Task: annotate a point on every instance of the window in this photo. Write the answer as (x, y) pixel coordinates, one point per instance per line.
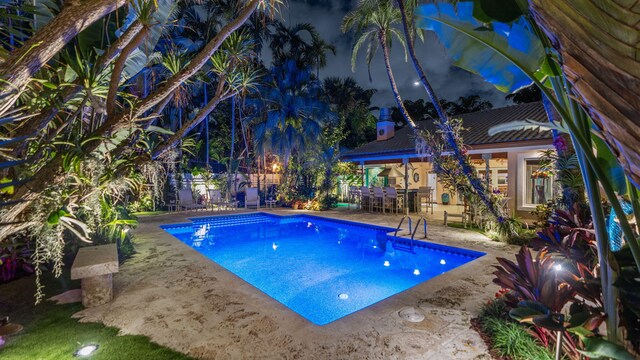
(538, 183)
(503, 176)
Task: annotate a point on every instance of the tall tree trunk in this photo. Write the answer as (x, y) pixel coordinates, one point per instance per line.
(118, 68)
(444, 124)
(183, 130)
(115, 123)
(394, 88)
(403, 109)
(206, 128)
(233, 142)
(32, 126)
(25, 61)
(52, 172)
(599, 48)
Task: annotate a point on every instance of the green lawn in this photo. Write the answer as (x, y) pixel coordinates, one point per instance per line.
(51, 333)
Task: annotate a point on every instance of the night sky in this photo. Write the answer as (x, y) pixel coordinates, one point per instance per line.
(449, 82)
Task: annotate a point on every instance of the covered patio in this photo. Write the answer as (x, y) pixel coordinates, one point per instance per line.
(506, 161)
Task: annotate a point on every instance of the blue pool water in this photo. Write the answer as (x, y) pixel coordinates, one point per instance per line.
(323, 269)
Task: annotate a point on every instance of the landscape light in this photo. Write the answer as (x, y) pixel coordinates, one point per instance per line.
(86, 350)
(557, 267)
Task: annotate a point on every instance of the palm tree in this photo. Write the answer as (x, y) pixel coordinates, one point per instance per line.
(444, 123)
(317, 53)
(352, 103)
(288, 42)
(290, 113)
(373, 23)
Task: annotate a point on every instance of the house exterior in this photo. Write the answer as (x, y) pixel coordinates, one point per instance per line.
(510, 159)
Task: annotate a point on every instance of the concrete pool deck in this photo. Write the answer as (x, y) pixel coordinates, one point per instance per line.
(180, 299)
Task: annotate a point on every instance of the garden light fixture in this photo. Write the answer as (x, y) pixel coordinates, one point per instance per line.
(557, 267)
(86, 350)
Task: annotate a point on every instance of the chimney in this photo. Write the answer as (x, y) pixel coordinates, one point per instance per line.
(386, 127)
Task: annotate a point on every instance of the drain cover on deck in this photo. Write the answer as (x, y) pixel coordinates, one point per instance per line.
(411, 314)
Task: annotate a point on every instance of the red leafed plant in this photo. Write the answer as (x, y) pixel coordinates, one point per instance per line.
(14, 259)
(532, 278)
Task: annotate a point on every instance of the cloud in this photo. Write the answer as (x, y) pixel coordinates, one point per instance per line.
(448, 81)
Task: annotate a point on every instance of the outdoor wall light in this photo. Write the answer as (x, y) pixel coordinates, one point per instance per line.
(86, 350)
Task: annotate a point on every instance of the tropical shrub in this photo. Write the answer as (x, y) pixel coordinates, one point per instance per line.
(328, 202)
(15, 260)
(562, 282)
(506, 336)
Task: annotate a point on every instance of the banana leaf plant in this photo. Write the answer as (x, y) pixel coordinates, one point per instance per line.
(505, 50)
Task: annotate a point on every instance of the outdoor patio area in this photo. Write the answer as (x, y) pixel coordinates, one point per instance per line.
(182, 300)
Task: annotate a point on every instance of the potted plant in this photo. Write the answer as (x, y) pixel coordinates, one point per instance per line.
(445, 198)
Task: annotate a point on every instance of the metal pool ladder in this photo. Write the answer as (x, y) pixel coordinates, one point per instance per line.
(404, 247)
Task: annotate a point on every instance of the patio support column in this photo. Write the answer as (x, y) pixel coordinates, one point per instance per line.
(364, 175)
(406, 185)
(487, 158)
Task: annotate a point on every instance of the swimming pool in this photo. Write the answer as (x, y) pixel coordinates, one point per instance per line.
(323, 269)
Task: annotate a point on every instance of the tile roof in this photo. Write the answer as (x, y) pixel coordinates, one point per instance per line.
(476, 124)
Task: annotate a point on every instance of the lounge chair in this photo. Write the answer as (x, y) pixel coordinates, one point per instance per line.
(252, 198)
(215, 199)
(186, 202)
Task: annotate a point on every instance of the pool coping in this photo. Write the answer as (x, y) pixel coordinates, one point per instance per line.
(176, 296)
(405, 241)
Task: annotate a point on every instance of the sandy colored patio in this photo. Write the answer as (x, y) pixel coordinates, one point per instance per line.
(180, 299)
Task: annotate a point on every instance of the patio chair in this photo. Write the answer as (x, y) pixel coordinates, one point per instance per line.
(354, 195)
(392, 200)
(378, 199)
(186, 202)
(252, 198)
(365, 198)
(424, 198)
(215, 199)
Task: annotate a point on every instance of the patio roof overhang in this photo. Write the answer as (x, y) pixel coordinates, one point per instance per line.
(398, 156)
